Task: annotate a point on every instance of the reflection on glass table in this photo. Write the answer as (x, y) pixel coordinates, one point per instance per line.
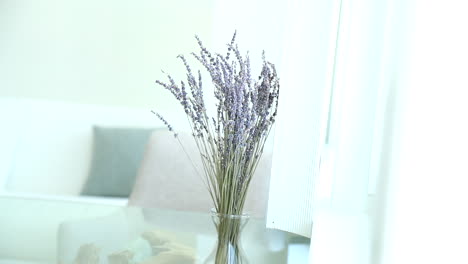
(58, 231)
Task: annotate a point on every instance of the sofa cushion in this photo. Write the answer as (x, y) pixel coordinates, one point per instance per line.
(117, 154)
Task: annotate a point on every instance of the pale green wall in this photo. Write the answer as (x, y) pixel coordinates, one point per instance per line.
(100, 52)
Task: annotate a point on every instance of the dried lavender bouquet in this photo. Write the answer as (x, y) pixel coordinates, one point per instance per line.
(231, 142)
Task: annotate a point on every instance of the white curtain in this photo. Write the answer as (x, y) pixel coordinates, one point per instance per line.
(369, 65)
(331, 58)
(333, 65)
(426, 167)
(399, 182)
(340, 64)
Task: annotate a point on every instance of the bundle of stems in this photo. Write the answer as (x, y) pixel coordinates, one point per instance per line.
(232, 141)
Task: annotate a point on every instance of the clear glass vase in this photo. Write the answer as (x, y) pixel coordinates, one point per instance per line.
(228, 248)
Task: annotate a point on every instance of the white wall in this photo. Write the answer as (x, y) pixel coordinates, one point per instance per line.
(100, 52)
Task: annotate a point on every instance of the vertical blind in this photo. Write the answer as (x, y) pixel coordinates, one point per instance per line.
(307, 74)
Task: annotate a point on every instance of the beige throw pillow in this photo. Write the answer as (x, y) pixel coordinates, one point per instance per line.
(167, 178)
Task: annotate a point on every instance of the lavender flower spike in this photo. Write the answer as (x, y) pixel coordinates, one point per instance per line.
(230, 142)
(165, 122)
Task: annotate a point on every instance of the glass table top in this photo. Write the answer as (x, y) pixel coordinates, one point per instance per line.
(58, 231)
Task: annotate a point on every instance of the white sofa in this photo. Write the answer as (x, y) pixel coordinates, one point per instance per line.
(45, 155)
(47, 146)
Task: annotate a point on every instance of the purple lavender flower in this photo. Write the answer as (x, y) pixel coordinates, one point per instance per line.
(232, 141)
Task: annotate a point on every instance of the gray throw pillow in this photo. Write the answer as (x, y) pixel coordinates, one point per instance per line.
(117, 154)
